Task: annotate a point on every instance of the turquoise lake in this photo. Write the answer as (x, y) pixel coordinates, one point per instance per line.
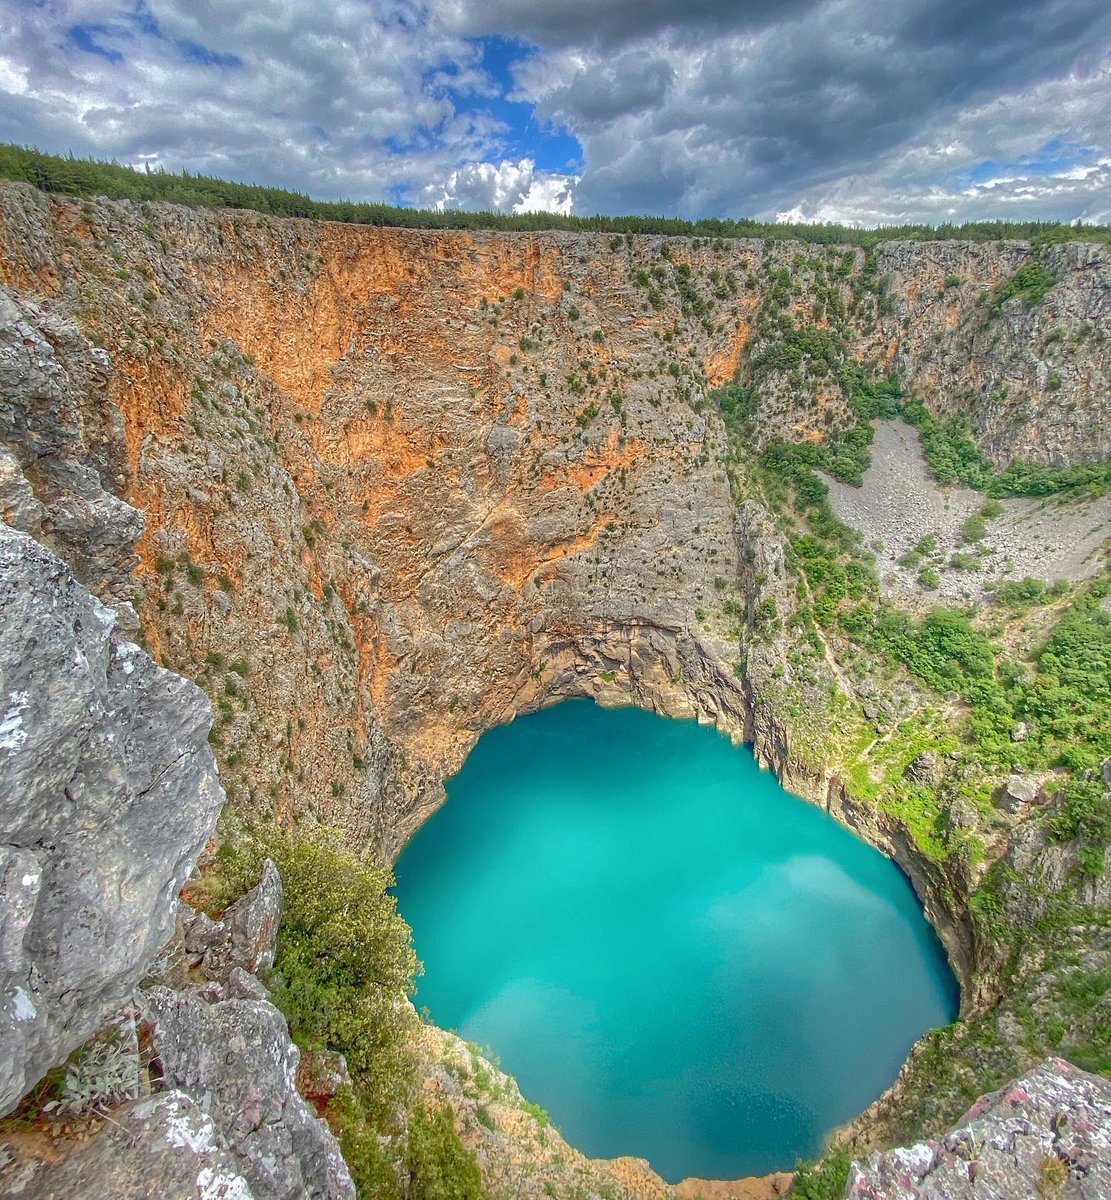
(675, 957)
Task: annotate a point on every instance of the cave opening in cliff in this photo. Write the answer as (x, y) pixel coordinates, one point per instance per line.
(674, 957)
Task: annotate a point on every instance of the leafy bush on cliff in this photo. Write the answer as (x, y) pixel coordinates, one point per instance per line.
(439, 1166)
(1031, 282)
(824, 1180)
(344, 956)
(953, 457)
(344, 959)
(344, 964)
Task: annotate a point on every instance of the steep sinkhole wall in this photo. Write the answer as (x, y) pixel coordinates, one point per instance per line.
(383, 469)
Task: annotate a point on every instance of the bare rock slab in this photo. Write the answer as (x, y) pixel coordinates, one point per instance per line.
(163, 1147)
(235, 1059)
(1048, 1134)
(108, 790)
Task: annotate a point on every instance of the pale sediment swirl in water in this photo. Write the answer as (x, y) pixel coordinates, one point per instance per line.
(675, 957)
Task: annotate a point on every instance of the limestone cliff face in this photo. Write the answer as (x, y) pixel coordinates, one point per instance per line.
(1035, 381)
(400, 485)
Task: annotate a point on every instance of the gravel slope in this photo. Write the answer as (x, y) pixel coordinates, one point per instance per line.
(899, 504)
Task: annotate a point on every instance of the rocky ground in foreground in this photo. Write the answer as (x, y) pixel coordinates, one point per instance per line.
(1047, 1135)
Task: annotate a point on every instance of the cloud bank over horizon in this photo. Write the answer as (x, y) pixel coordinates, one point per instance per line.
(857, 111)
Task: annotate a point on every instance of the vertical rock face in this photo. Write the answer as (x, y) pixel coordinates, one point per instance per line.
(107, 793)
(1035, 381)
(399, 487)
(61, 446)
(413, 483)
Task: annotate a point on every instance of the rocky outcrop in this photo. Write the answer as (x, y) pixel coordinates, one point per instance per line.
(165, 1146)
(235, 1059)
(61, 449)
(1047, 1134)
(225, 1045)
(227, 1118)
(109, 791)
(99, 746)
(243, 939)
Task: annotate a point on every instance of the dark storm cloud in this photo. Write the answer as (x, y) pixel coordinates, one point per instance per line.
(610, 24)
(756, 117)
(632, 83)
(876, 108)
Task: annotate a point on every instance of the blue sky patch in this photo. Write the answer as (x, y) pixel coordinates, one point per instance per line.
(1054, 157)
(194, 52)
(551, 148)
(84, 37)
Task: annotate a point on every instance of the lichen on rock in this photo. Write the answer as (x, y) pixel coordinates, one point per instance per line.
(1045, 1135)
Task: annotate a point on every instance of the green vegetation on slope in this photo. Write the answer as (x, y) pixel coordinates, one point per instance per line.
(954, 457)
(816, 357)
(1030, 282)
(343, 967)
(88, 177)
(958, 699)
(824, 1180)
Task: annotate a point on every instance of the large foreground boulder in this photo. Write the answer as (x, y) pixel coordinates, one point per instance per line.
(163, 1147)
(108, 790)
(235, 1059)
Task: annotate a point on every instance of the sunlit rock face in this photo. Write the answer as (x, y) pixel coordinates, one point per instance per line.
(414, 482)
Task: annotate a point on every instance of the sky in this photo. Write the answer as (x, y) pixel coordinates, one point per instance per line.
(858, 111)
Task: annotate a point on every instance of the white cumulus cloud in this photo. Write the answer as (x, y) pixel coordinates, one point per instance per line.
(507, 186)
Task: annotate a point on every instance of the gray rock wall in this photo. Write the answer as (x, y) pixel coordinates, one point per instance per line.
(108, 791)
(108, 788)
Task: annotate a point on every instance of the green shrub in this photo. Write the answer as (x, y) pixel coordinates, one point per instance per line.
(1082, 810)
(1020, 593)
(344, 956)
(974, 528)
(1030, 282)
(824, 1180)
(439, 1166)
(538, 1114)
(369, 1161)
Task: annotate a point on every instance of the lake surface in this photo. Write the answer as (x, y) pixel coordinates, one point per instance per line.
(674, 957)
